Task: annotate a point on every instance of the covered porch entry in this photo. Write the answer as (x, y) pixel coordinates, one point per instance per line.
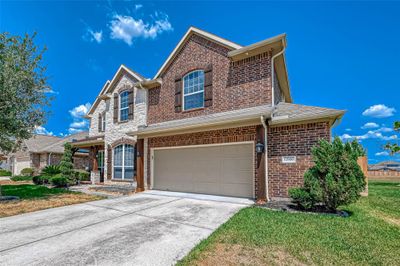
(95, 147)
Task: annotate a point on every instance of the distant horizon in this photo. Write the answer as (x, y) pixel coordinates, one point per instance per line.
(340, 55)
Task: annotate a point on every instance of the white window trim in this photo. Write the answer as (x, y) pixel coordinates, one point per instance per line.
(123, 108)
(191, 93)
(123, 166)
(103, 122)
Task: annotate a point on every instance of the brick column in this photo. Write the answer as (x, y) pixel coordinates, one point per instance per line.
(261, 193)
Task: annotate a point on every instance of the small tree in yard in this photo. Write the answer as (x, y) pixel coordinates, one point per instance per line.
(394, 148)
(335, 179)
(66, 164)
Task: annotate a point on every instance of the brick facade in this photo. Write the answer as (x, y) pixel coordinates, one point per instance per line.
(282, 141)
(237, 85)
(294, 140)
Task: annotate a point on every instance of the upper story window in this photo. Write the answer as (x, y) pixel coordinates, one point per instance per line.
(124, 106)
(193, 90)
(103, 122)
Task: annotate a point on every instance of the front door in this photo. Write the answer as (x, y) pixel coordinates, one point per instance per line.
(100, 163)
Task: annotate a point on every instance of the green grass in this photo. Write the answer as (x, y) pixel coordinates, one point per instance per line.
(31, 191)
(371, 235)
(21, 178)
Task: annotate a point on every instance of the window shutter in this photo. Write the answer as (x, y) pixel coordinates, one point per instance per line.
(208, 93)
(115, 107)
(131, 104)
(109, 162)
(99, 123)
(178, 95)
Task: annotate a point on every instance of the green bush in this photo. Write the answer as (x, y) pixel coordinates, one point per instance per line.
(81, 175)
(51, 170)
(41, 179)
(27, 171)
(5, 172)
(302, 198)
(335, 179)
(59, 181)
(21, 178)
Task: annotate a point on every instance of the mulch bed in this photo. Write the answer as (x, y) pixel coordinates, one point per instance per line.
(288, 206)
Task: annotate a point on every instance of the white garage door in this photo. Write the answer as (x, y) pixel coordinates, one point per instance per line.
(217, 169)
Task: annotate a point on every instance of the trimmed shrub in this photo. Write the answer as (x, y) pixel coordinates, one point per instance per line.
(335, 179)
(21, 178)
(27, 171)
(5, 172)
(59, 181)
(81, 175)
(51, 170)
(40, 179)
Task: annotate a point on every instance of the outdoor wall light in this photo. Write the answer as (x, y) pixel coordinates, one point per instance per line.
(259, 147)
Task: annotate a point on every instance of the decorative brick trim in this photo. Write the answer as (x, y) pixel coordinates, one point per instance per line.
(123, 141)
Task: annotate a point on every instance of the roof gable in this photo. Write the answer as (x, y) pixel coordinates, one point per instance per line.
(186, 37)
(110, 85)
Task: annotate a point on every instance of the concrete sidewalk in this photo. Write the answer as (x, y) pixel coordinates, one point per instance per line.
(150, 228)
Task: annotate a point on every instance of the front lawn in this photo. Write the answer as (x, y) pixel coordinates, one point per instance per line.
(256, 236)
(35, 197)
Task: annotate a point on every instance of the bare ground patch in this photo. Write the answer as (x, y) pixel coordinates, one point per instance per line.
(386, 218)
(31, 205)
(10, 182)
(225, 254)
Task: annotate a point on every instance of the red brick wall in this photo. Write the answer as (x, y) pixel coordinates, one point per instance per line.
(238, 134)
(282, 141)
(237, 85)
(294, 140)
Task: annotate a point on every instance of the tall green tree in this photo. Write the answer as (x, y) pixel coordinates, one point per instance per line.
(23, 88)
(394, 147)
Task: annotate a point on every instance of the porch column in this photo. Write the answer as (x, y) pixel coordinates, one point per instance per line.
(140, 165)
(94, 158)
(260, 166)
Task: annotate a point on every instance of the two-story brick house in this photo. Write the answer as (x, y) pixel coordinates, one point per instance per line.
(217, 118)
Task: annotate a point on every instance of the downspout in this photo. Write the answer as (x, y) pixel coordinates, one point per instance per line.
(273, 74)
(264, 122)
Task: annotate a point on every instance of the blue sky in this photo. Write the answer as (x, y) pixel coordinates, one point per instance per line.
(342, 55)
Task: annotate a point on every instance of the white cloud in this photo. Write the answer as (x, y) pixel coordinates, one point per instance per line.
(370, 125)
(382, 153)
(79, 123)
(127, 28)
(80, 110)
(43, 131)
(93, 36)
(372, 134)
(379, 111)
(138, 6)
(385, 129)
(348, 129)
(74, 130)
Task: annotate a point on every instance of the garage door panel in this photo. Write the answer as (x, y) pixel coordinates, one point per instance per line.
(220, 169)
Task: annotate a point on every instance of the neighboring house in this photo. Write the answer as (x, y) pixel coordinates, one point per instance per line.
(42, 150)
(385, 166)
(206, 122)
(384, 170)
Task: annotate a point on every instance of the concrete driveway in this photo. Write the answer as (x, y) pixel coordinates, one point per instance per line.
(150, 228)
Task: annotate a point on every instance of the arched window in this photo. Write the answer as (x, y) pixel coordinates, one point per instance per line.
(193, 90)
(123, 106)
(124, 162)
